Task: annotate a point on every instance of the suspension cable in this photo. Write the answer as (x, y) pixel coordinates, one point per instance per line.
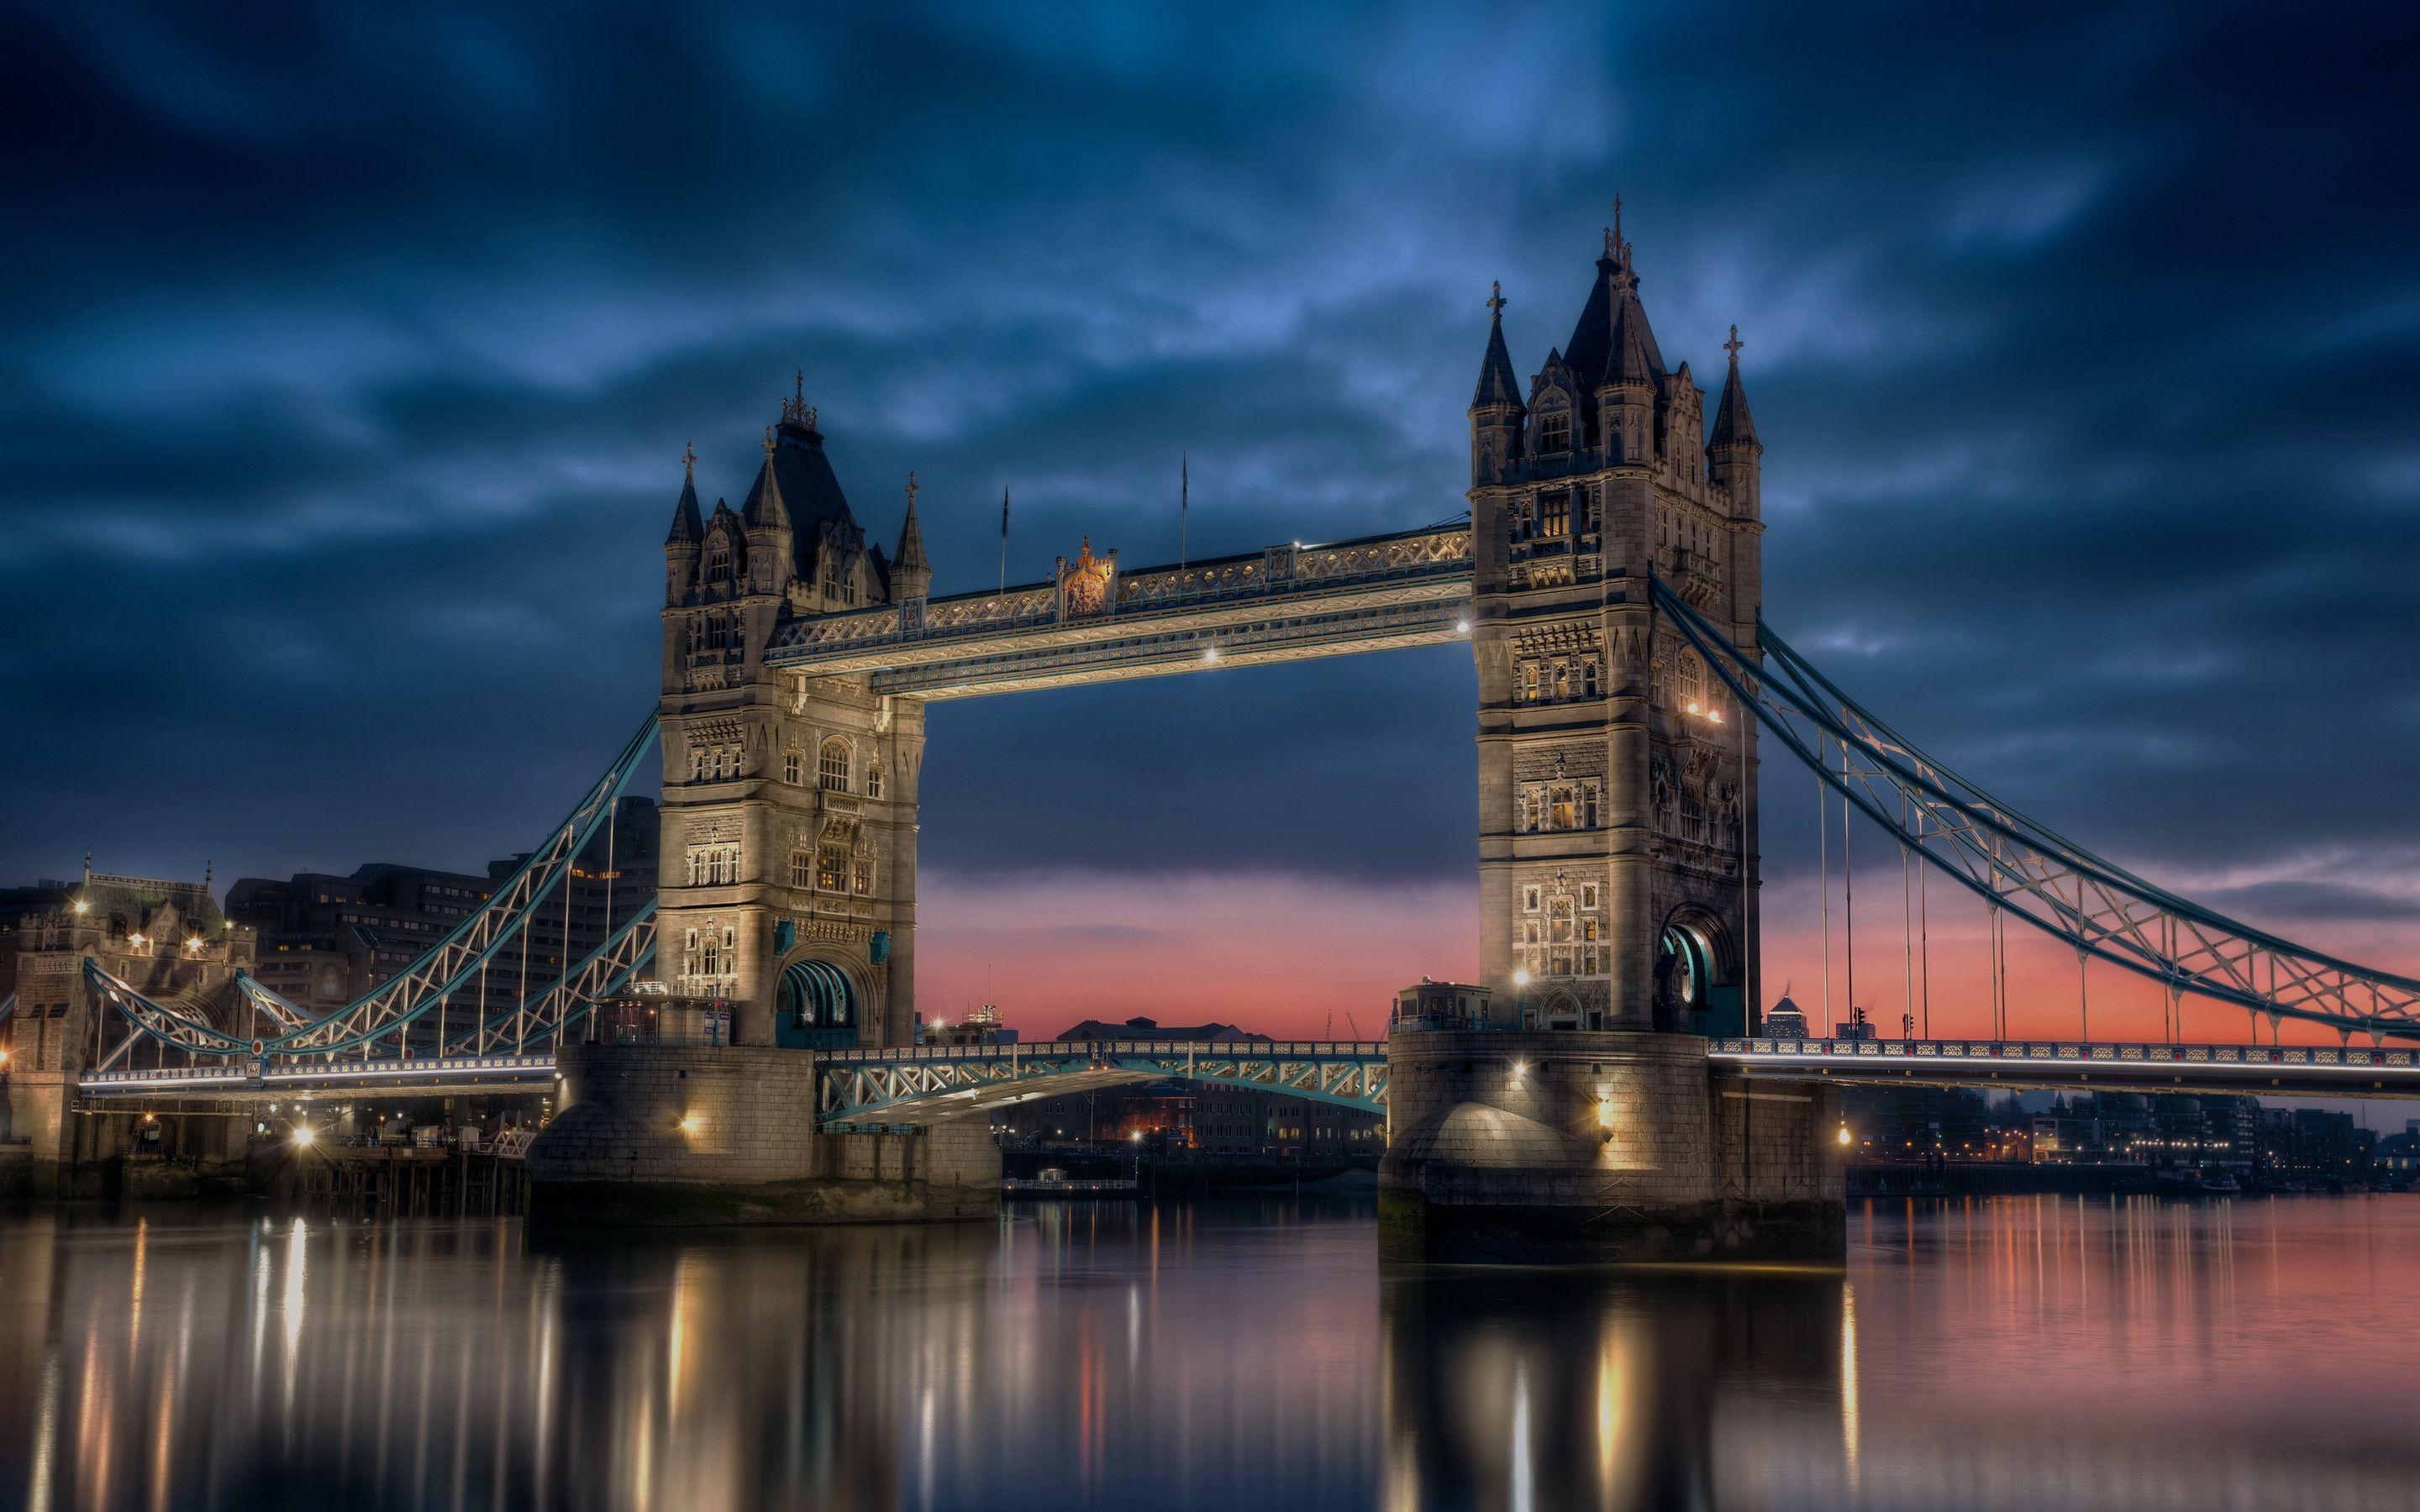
(1848, 895)
(1823, 864)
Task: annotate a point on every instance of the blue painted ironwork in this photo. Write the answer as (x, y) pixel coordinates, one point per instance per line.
(938, 1082)
(387, 1014)
(2016, 863)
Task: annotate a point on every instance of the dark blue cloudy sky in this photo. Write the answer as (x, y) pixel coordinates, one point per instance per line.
(348, 354)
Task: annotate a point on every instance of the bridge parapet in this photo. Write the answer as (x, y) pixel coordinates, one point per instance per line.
(2156, 1065)
(932, 1083)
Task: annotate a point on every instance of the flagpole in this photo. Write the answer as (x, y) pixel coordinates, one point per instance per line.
(1003, 540)
(1184, 503)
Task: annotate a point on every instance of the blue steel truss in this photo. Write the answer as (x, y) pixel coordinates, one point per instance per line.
(382, 1021)
(938, 1082)
(2015, 863)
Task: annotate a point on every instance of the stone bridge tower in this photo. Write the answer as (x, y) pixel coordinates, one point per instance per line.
(1618, 845)
(788, 870)
(1617, 809)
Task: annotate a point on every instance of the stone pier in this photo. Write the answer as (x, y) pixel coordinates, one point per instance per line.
(1507, 1146)
(674, 1134)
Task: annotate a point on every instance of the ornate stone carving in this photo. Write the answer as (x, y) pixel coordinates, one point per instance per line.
(1085, 583)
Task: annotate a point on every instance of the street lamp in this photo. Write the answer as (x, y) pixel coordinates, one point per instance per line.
(1521, 997)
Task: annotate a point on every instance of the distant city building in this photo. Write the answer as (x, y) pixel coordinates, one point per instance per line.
(1143, 1028)
(1786, 1020)
(980, 1027)
(326, 939)
(1857, 1026)
(167, 938)
(1438, 1004)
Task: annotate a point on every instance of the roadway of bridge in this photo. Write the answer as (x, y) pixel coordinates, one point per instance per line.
(927, 1085)
(2347, 1070)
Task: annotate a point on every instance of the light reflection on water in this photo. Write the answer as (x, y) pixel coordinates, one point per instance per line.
(2025, 1353)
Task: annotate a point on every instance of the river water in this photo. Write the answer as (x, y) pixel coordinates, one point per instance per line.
(2018, 1352)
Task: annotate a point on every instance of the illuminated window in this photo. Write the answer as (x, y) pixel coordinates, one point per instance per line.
(1559, 516)
(832, 767)
(1692, 682)
(861, 875)
(831, 869)
(1555, 431)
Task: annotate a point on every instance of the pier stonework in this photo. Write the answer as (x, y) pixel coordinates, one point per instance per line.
(1543, 1146)
(676, 1134)
(1617, 837)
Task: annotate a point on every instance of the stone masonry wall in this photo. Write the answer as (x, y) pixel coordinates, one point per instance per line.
(1575, 1145)
(697, 1133)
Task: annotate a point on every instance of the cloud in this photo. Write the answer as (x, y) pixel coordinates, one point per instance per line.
(346, 379)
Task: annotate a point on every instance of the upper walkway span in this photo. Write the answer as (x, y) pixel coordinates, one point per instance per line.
(1286, 603)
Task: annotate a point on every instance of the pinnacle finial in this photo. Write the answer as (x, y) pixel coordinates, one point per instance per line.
(688, 460)
(1734, 346)
(1617, 217)
(911, 490)
(768, 445)
(798, 386)
(1495, 302)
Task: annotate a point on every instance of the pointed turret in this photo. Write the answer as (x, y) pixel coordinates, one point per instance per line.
(764, 508)
(1734, 448)
(911, 574)
(1734, 424)
(687, 524)
(688, 533)
(1498, 383)
(1634, 367)
(1496, 409)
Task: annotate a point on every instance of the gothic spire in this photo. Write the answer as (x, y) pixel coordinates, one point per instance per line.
(688, 529)
(1498, 383)
(1733, 426)
(1613, 319)
(764, 508)
(911, 569)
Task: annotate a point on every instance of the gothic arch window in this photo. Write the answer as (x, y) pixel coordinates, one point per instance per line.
(1588, 677)
(832, 766)
(1692, 682)
(873, 779)
(1555, 430)
(717, 559)
(802, 868)
(794, 768)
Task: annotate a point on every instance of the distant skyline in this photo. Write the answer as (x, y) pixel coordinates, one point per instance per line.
(347, 373)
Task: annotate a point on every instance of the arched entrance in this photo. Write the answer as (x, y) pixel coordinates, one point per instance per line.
(1694, 989)
(815, 1006)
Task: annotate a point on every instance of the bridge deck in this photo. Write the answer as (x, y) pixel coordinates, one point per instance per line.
(1287, 603)
(931, 1084)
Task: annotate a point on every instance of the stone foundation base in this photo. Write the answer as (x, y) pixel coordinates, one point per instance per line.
(673, 1134)
(1558, 1146)
(1415, 1231)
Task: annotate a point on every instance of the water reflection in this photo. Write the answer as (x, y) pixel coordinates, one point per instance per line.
(1568, 1388)
(2017, 1354)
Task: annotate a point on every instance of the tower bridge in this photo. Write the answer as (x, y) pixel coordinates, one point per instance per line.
(1615, 1096)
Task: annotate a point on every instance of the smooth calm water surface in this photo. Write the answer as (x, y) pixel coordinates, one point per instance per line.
(2022, 1353)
